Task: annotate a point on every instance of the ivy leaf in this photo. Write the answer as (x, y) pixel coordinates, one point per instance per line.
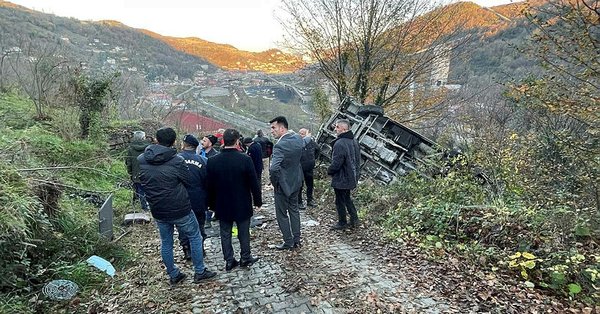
(528, 255)
(515, 256)
(528, 264)
(529, 284)
(574, 288)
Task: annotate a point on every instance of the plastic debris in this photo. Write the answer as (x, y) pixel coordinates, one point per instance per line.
(60, 289)
(256, 221)
(310, 223)
(101, 264)
(136, 218)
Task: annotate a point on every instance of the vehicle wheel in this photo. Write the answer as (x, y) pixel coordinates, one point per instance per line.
(366, 110)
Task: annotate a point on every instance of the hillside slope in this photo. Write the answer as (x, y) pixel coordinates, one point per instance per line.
(105, 44)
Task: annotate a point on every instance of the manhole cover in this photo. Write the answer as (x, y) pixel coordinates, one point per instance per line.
(60, 289)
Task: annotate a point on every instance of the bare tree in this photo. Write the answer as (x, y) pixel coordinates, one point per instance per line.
(5, 53)
(562, 104)
(373, 50)
(37, 69)
(130, 87)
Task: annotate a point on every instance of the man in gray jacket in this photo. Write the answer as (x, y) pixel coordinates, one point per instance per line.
(345, 171)
(286, 176)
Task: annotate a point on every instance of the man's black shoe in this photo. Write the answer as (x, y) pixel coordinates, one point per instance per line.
(249, 262)
(231, 265)
(311, 203)
(179, 278)
(283, 246)
(354, 224)
(339, 226)
(206, 274)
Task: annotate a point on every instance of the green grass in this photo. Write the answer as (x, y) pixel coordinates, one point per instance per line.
(36, 247)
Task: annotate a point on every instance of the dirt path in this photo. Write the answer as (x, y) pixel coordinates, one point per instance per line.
(329, 274)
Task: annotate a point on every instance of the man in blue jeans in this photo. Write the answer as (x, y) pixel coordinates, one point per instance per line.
(165, 176)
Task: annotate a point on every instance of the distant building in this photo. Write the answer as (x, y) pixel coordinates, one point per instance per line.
(440, 67)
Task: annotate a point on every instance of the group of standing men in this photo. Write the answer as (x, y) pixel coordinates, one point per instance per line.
(178, 187)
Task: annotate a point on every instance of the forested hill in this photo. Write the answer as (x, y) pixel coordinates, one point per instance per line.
(229, 57)
(105, 44)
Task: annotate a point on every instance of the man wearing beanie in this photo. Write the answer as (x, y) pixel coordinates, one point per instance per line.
(197, 191)
(207, 149)
(165, 177)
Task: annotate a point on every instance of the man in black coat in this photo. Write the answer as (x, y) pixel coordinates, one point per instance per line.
(345, 172)
(307, 161)
(165, 177)
(264, 143)
(232, 186)
(254, 150)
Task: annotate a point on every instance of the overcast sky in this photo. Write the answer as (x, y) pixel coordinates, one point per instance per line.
(246, 24)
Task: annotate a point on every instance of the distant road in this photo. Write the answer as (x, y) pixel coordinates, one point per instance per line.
(232, 117)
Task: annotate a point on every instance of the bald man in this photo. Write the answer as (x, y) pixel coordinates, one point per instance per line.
(307, 161)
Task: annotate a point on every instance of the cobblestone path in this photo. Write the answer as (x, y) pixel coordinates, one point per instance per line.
(326, 275)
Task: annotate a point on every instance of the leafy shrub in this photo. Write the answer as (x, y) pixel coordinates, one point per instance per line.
(35, 247)
(458, 209)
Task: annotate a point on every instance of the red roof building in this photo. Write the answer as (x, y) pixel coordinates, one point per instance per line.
(191, 122)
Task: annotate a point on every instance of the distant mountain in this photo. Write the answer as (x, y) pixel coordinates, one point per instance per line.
(229, 57)
(144, 50)
(103, 45)
(495, 53)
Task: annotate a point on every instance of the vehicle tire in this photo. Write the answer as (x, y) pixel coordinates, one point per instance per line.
(366, 110)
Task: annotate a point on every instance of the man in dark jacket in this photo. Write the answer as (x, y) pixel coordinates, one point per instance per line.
(165, 177)
(345, 172)
(196, 191)
(307, 161)
(136, 148)
(207, 148)
(255, 152)
(232, 186)
(264, 143)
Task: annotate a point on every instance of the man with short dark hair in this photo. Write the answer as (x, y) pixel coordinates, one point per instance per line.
(345, 172)
(231, 190)
(286, 176)
(165, 177)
